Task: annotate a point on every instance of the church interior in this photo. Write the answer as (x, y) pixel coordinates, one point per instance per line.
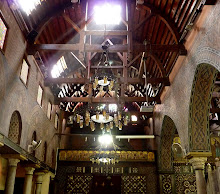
(109, 96)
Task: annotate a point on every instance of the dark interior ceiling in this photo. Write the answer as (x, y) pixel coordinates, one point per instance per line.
(153, 32)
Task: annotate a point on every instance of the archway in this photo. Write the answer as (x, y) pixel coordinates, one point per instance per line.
(199, 108)
(15, 127)
(176, 176)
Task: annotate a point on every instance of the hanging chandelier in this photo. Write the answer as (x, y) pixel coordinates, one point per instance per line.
(105, 116)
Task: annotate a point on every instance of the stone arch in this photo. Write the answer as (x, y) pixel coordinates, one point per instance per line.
(199, 108)
(15, 127)
(165, 151)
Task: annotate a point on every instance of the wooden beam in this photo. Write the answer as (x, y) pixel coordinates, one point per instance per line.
(106, 99)
(179, 48)
(106, 67)
(48, 81)
(68, 20)
(141, 67)
(168, 22)
(159, 64)
(135, 59)
(107, 32)
(215, 110)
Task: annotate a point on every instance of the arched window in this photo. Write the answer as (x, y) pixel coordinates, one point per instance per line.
(53, 159)
(15, 128)
(44, 154)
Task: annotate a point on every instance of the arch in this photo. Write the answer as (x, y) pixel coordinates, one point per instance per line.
(199, 108)
(44, 153)
(165, 151)
(15, 127)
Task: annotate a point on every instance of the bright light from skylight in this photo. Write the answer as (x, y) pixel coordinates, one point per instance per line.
(28, 5)
(59, 67)
(107, 14)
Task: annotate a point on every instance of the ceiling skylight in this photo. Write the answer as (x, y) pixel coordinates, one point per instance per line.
(58, 68)
(28, 5)
(107, 14)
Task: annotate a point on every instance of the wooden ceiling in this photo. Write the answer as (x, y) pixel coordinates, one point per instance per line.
(154, 31)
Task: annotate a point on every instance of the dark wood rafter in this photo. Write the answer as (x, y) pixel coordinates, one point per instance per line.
(49, 81)
(106, 99)
(179, 48)
(169, 23)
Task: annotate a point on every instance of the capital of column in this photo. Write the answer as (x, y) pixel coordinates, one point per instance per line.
(29, 170)
(217, 163)
(39, 175)
(198, 163)
(13, 162)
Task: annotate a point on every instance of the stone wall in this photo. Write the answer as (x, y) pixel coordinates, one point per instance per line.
(16, 96)
(205, 49)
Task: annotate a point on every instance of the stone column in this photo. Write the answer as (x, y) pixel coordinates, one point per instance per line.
(28, 180)
(39, 181)
(217, 163)
(198, 164)
(211, 181)
(10, 181)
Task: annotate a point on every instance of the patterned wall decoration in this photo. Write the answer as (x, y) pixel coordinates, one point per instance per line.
(78, 184)
(15, 126)
(199, 108)
(185, 183)
(165, 154)
(166, 183)
(134, 184)
(83, 155)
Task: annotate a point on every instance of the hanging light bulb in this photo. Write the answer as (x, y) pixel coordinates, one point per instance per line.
(120, 125)
(94, 86)
(104, 113)
(77, 118)
(87, 119)
(92, 126)
(107, 116)
(119, 115)
(111, 125)
(81, 123)
(108, 128)
(112, 83)
(125, 121)
(105, 79)
(109, 87)
(101, 126)
(101, 89)
(96, 81)
(97, 116)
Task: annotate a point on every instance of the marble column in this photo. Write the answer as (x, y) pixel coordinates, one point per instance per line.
(46, 182)
(10, 181)
(217, 163)
(28, 180)
(211, 181)
(39, 181)
(198, 164)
